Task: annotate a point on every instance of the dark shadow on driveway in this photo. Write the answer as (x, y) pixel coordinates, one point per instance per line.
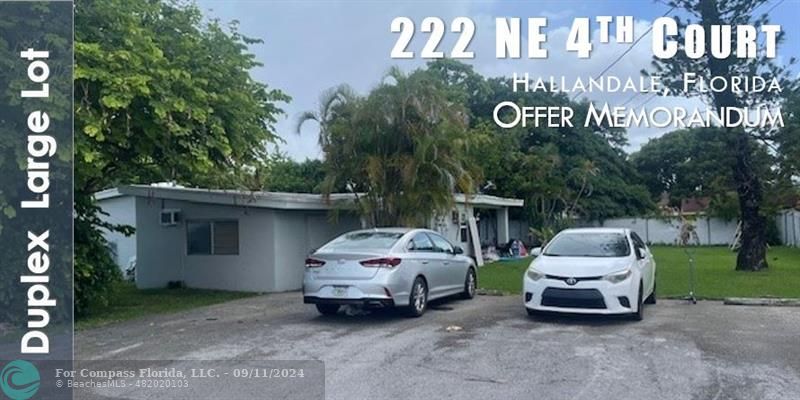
(350, 315)
(583, 319)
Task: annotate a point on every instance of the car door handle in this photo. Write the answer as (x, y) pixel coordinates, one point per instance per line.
(424, 261)
(446, 263)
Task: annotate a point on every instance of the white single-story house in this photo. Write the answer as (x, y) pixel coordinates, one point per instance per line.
(248, 241)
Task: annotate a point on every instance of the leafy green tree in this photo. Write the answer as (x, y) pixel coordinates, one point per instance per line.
(749, 185)
(685, 163)
(40, 26)
(696, 163)
(402, 146)
(160, 95)
(286, 175)
(787, 139)
(562, 173)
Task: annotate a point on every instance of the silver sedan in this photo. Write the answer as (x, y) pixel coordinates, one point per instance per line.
(387, 267)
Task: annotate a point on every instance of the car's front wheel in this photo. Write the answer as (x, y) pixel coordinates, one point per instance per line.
(418, 300)
(652, 298)
(639, 314)
(470, 284)
(328, 309)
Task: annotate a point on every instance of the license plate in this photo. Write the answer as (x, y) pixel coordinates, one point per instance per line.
(340, 291)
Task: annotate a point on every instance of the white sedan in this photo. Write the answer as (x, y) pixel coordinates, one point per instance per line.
(591, 271)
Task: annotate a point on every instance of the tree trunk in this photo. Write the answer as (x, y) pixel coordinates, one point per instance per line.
(753, 247)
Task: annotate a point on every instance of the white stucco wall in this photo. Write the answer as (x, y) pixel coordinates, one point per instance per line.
(273, 245)
(273, 242)
(121, 211)
(451, 230)
(163, 257)
(298, 233)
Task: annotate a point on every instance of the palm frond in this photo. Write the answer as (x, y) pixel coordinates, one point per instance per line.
(304, 117)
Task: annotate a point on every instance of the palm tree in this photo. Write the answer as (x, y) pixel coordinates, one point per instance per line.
(403, 146)
(330, 101)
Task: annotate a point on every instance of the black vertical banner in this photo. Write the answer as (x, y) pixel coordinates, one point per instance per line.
(36, 189)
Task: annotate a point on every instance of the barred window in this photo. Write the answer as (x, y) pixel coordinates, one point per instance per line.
(212, 237)
(226, 237)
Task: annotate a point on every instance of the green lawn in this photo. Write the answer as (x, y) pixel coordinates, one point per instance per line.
(129, 302)
(505, 276)
(716, 277)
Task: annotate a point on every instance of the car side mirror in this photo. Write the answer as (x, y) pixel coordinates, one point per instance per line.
(536, 251)
(639, 253)
(458, 250)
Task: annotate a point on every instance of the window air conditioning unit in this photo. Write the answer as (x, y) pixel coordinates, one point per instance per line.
(170, 217)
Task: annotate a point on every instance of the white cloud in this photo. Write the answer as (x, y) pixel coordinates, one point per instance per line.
(556, 15)
(312, 46)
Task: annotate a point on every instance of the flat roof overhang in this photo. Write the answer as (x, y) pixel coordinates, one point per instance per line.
(281, 200)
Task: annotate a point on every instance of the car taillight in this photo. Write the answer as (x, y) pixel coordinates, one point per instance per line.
(314, 263)
(382, 262)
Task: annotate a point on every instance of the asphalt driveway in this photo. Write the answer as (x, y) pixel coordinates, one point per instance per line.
(680, 351)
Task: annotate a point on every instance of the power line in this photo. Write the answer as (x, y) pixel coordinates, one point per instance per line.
(628, 50)
(654, 95)
(635, 95)
(648, 100)
(773, 6)
(664, 2)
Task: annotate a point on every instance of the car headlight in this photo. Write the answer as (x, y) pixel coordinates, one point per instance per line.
(618, 277)
(534, 274)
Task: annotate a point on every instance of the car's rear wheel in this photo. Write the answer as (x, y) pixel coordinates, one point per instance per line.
(470, 284)
(328, 309)
(639, 314)
(652, 298)
(418, 299)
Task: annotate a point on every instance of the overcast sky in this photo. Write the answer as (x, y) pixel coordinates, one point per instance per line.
(311, 46)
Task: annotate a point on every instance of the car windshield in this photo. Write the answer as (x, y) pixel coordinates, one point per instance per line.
(589, 245)
(362, 241)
